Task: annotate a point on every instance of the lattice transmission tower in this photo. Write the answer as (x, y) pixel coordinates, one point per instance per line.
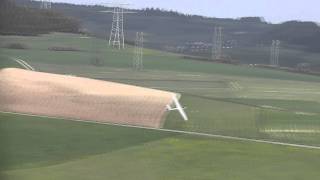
(275, 53)
(116, 38)
(138, 52)
(45, 4)
(217, 43)
(117, 35)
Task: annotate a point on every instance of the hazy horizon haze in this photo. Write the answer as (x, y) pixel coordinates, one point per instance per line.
(272, 10)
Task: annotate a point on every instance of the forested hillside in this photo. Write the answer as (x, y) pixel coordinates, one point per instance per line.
(19, 20)
(172, 28)
(165, 28)
(306, 34)
(245, 40)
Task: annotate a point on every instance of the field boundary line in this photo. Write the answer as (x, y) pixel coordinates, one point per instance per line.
(24, 64)
(168, 80)
(173, 131)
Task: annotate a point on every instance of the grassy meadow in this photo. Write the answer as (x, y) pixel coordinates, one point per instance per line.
(44, 148)
(222, 99)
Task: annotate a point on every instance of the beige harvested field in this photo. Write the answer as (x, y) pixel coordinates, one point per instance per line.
(81, 98)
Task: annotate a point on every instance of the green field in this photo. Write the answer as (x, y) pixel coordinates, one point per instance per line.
(41, 148)
(221, 99)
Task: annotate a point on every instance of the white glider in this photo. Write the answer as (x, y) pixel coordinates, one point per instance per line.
(178, 107)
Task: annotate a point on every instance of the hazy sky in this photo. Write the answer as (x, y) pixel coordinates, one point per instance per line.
(273, 10)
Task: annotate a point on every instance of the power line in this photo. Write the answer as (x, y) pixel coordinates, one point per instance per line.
(275, 53)
(45, 4)
(116, 38)
(217, 43)
(117, 35)
(138, 52)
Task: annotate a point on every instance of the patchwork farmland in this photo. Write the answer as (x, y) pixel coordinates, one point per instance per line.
(220, 99)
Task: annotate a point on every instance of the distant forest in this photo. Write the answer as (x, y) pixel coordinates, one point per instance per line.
(162, 28)
(173, 28)
(19, 20)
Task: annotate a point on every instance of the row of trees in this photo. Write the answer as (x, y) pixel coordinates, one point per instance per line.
(175, 28)
(305, 34)
(16, 20)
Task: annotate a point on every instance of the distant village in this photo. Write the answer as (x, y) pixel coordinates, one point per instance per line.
(200, 47)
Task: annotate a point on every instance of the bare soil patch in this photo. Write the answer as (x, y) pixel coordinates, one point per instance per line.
(81, 98)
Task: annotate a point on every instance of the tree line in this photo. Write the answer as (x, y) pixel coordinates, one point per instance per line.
(17, 20)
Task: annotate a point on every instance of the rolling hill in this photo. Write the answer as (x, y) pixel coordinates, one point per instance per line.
(249, 37)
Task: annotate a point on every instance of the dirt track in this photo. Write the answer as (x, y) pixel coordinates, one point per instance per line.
(81, 98)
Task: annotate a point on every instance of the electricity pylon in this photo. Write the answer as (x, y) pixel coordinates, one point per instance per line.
(217, 43)
(275, 53)
(138, 52)
(45, 4)
(116, 38)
